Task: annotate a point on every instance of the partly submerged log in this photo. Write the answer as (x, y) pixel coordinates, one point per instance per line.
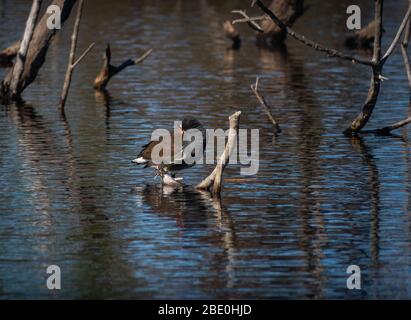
(8, 54)
(362, 39)
(36, 54)
(232, 34)
(215, 179)
(108, 70)
(288, 11)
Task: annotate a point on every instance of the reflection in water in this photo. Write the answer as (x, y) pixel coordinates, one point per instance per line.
(374, 186)
(69, 194)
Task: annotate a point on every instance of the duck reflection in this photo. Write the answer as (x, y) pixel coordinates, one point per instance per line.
(195, 210)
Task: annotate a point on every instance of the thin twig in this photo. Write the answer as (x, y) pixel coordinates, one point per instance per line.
(404, 50)
(250, 21)
(262, 101)
(72, 63)
(83, 55)
(143, 57)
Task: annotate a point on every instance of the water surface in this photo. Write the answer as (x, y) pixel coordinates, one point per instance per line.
(320, 202)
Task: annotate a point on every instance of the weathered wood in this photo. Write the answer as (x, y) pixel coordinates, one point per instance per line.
(363, 39)
(287, 11)
(36, 54)
(262, 101)
(72, 63)
(108, 70)
(214, 180)
(18, 67)
(8, 54)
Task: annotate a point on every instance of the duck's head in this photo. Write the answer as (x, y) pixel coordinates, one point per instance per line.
(190, 123)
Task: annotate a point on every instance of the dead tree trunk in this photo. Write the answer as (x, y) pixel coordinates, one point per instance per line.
(72, 64)
(287, 11)
(214, 180)
(108, 70)
(36, 54)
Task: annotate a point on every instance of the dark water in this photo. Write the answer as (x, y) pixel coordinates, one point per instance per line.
(319, 203)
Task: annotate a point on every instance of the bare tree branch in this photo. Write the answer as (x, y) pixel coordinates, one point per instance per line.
(308, 42)
(397, 37)
(394, 126)
(72, 63)
(250, 21)
(262, 101)
(404, 49)
(91, 46)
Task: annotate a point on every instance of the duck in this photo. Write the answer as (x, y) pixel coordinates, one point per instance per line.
(167, 171)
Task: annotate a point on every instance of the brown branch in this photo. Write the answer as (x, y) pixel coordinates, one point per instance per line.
(214, 180)
(262, 101)
(72, 64)
(108, 70)
(397, 125)
(308, 42)
(232, 34)
(22, 53)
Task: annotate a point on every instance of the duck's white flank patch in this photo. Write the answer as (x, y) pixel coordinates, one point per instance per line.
(140, 160)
